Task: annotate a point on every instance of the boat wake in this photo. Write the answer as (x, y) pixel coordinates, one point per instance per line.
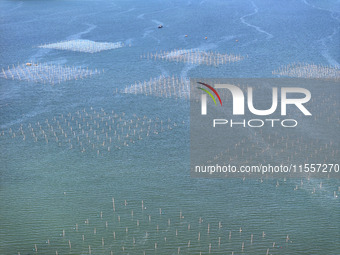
(324, 49)
(260, 30)
(80, 34)
(326, 40)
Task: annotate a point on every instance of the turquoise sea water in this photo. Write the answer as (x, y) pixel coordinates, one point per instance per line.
(48, 188)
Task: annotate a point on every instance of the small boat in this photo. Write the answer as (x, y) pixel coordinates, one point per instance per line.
(160, 26)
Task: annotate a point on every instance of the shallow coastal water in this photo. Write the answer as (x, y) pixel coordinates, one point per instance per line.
(48, 187)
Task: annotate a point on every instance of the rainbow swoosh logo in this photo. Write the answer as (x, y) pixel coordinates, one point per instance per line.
(209, 93)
